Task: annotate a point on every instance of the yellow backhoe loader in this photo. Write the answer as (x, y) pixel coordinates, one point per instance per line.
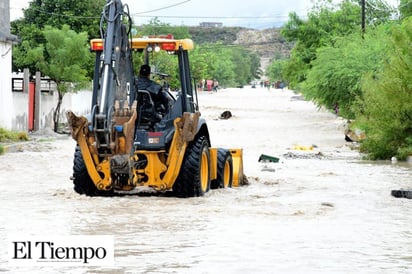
(132, 142)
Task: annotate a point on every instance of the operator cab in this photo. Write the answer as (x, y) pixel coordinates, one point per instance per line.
(153, 100)
(154, 125)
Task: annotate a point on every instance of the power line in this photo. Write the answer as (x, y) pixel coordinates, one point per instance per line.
(167, 16)
(216, 17)
(249, 18)
(64, 15)
(375, 7)
(98, 17)
(167, 7)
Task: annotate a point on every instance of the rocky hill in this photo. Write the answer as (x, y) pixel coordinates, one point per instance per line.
(267, 43)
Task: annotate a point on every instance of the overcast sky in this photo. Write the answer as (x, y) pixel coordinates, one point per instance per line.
(245, 13)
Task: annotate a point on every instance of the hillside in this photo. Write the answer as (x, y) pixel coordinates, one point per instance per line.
(267, 43)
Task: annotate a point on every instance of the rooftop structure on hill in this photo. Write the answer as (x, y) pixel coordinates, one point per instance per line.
(211, 24)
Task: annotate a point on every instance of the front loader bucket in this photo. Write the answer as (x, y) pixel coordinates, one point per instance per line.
(237, 160)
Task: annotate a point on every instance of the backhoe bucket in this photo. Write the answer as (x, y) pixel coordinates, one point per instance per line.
(237, 160)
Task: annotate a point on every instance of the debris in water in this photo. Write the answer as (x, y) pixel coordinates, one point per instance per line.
(225, 115)
(266, 158)
(402, 193)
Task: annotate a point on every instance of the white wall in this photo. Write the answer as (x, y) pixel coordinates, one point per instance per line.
(20, 108)
(6, 98)
(78, 102)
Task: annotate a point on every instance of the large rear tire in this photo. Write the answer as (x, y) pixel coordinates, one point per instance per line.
(224, 169)
(194, 176)
(83, 184)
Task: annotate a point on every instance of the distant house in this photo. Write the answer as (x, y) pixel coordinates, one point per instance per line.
(211, 24)
(6, 42)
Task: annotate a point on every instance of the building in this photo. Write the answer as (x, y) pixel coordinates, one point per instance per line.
(6, 42)
(28, 105)
(211, 24)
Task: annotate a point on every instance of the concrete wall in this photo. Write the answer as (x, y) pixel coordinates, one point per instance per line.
(5, 16)
(78, 102)
(20, 109)
(6, 42)
(6, 111)
(6, 101)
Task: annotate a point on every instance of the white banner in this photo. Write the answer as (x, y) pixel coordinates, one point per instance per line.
(75, 250)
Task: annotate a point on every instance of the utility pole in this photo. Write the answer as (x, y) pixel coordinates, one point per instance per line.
(363, 17)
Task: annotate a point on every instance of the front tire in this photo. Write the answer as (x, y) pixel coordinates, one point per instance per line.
(83, 184)
(194, 176)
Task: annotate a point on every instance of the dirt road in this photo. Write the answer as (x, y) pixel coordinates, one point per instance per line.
(316, 211)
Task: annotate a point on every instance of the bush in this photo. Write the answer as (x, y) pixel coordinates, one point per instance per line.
(336, 74)
(7, 135)
(386, 106)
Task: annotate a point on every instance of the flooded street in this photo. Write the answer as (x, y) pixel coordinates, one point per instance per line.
(316, 211)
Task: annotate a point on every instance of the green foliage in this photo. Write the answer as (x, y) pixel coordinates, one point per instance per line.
(275, 69)
(405, 8)
(80, 16)
(336, 73)
(386, 106)
(166, 64)
(325, 22)
(25, 56)
(31, 36)
(223, 67)
(11, 136)
(199, 63)
(156, 27)
(64, 57)
(7, 135)
(369, 77)
(255, 71)
(230, 65)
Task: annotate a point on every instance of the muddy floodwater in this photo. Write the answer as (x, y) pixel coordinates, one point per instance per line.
(323, 210)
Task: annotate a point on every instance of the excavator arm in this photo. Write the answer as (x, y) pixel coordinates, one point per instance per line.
(111, 127)
(115, 73)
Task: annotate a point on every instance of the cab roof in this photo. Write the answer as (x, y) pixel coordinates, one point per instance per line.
(153, 43)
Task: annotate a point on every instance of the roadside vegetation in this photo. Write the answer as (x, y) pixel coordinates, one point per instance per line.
(364, 74)
(11, 136)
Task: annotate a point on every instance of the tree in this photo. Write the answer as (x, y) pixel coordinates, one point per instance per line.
(386, 105)
(223, 67)
(326, 22)
(405, 8)
(156, 27)
(81, 16)
(275, 69)
(198, 63)
(64, 58)
(336, 74)
(247, 65)
(230, 65)
(166, 64)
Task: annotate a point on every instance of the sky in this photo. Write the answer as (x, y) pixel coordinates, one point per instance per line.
(245, 13)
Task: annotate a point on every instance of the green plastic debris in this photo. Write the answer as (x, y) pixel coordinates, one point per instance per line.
(267, 158)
